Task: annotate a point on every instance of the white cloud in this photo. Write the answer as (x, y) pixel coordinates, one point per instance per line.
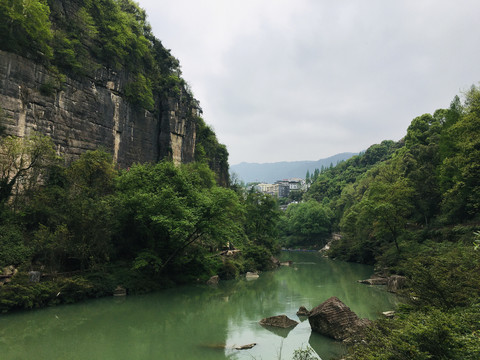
(305, 79)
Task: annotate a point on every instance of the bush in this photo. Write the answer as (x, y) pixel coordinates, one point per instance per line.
(12, 248)
(139, 93)
(433, 335)
(447, 276)
(230, 270)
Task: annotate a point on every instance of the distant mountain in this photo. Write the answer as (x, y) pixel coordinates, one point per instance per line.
(271, 172)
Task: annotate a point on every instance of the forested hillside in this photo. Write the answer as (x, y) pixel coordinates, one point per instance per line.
(271, 172)
(412, 208)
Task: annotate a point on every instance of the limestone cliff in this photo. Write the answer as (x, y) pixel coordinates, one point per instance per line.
(91, 112)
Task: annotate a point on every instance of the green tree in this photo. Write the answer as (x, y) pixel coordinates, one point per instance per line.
(23, 161)
(26, 28)
(168, 213)
(392, 197)
(262, 216)
(460, 169)
(309, 223)
(139, 93)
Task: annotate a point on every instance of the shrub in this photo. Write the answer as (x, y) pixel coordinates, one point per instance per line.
(12, 248)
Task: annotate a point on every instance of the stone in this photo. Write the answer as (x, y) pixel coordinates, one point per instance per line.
(275, 261)
(245, 347)
(251, 275)
(374, 281)
(334, 319)
(34, 276)
(213, 280)
(286, 263)
(302, 311)
(281, 321)
(388, 314)
(396, 282)
(9, 271)
(120, 291)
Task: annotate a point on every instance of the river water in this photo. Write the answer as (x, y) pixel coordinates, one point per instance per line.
(197, 322)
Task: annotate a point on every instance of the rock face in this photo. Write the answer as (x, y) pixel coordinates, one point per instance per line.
(396, 282)
(93, 112)
(281, 321)
(334, 319)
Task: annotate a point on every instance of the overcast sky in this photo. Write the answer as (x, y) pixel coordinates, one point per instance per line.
(286, 80)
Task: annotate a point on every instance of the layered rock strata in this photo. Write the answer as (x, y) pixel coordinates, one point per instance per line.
(90, 113)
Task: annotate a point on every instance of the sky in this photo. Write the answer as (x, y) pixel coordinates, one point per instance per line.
(289, 80)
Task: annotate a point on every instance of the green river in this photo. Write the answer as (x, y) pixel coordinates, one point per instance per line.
(197, 321)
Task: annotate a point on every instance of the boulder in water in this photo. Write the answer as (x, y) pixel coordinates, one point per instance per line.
(281, 321)
(334, 319)
(302, 311)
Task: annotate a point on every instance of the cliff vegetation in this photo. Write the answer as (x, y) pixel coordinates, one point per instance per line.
(100, 52)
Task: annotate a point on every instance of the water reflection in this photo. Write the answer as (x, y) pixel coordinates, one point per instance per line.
(196, 322)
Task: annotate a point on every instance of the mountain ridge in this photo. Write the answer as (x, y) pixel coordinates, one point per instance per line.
(271, 172)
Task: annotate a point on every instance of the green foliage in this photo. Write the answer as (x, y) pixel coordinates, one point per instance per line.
(445, 276)
(23, 161)
(67, 51)
(423, 335)
(139, 93)
(210, 151)
(25, 28)
(165, 210)
(460, 169)
(415, 211)
(92, 174)
(262, 217)
(230, 269)
(13, 251)
(22, 294)
(430, 183)
(476, 241)
(307, 223)
(304, 354)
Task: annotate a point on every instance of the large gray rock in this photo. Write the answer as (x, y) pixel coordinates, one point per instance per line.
(334, 319)
(281, 321)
